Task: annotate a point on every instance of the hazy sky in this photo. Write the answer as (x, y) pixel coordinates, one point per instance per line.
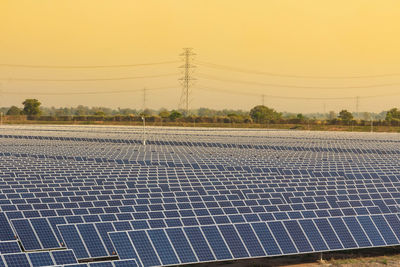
(298, 37)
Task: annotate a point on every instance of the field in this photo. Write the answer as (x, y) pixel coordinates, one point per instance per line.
(211, 196)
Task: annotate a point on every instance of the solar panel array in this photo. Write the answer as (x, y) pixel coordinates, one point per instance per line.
(74, 194)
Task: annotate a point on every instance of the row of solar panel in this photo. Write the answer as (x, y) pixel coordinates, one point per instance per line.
(315, 170)
(190, 143)
(41, 233)
(142, 205)
(255, 213)
(157, 186)
(132, 171)
(33, 259)
(62, 257)
(194, 194)
(7, 233)
(311, 170)
(212, 181)
(21, 202)
(236, 241)
(90, 240)
(201, 217)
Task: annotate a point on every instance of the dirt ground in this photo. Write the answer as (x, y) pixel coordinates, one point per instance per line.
(376, 257)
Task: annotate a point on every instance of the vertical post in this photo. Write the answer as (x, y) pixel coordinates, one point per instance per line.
(357, 104)
(1, 101)
(144, 99)
(144, 130)
(372, 123)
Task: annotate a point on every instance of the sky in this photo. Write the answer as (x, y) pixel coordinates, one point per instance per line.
(321, 39)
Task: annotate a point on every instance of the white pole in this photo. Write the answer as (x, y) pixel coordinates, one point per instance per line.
(144, 130)
(372, 124)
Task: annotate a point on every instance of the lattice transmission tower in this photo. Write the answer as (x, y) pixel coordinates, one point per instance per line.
(187, 79)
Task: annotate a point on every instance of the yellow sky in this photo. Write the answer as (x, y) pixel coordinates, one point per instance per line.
(301, 37)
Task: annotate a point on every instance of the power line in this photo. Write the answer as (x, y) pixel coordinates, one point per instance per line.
(87, 93)
(211, 77)
(236, 69)
(213, 89)
(85, 67)
(87, 80)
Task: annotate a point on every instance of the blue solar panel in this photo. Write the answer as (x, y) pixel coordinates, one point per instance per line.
(123, 245)
(6, 232)
(62, 257)
(16, 260)
(229, 194)
(26, 235)
(342, 232)
(73, 240)
(9, 247)
(163, 247)
(250, 240)
(145, 251)
(101, 264)
(216, 242)
(125, 263)
(181, 245)
(45, 233)
(40, 259)
(313, 235)
(233, 241)
(199, 244)
(328, 233)
(298, 237)
(385, 230)
(371, 230)
(92, 240)
(104, 229)
(282, 237)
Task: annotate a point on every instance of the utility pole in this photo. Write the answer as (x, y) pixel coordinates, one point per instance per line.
(263, 99)
(144, 99)
(372, 123)
(357, 104)
(144, 116)
(1, 101)
(187, 79)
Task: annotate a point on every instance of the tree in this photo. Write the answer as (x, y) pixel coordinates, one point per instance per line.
(175, 115)
(31, 107)
(14, 111)
(99, 113)
(164, 114)
(300, 117)
(262, 114)
(331, 115)
(393, 116)
(345, 116)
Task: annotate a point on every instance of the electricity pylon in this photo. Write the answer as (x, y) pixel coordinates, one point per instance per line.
(187, 78)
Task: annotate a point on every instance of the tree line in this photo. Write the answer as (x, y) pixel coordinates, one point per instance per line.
(259, 114)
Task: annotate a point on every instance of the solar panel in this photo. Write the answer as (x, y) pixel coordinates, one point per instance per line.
(195, 195)
(16, 260)
(26, 235)
(6, 232)
(45, 233)
(40, 259)
(9, 247)
(63, 257)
